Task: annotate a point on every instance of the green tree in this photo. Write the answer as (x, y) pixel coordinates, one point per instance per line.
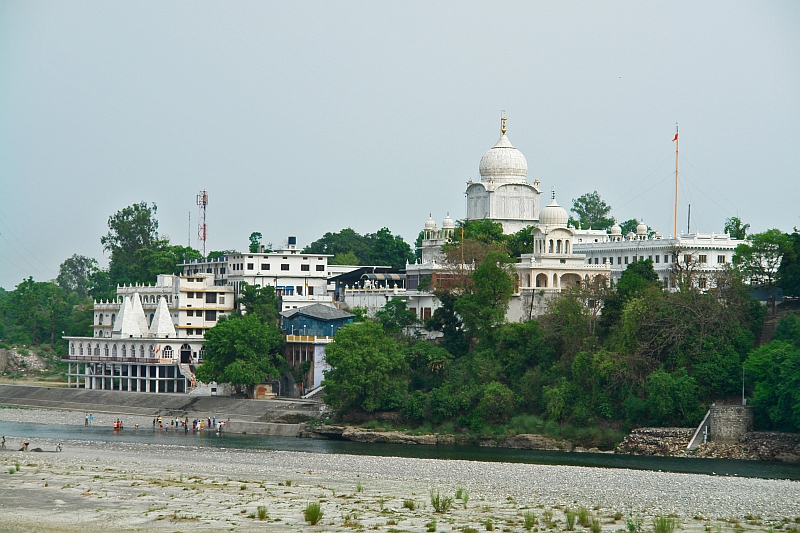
(758, 259)
(592, 211)
(163, 259)
(496, 404)
(520, 242)
(636, 278)
(40, 308)
(388, 249)
(347, 258)
(736, 228)
(74, 275)
(242, 351)
(219, 253)
(255, 242)
(130, 229)
(395, 317)
(789, 271)
(260, 301)
(629, 226)
(484, 306)
(774, 371)
(368, 369)
(342, 242)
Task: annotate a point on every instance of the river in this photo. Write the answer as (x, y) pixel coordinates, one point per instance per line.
(15, 431)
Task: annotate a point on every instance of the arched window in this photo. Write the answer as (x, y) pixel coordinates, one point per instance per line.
(550, 248)
(152, 315)
(558, 246)
(152, 351)
(141, 350)
(168, 351)
(528, 279)
(114, 351)
(133, 350)
(80, 349)
(105, 350)
(100, 319)
(113, 318)
(72, 348)
(541, 280)
(124, 351)
(97, 350)
(202, 352)
(555, 281)
(566, 247)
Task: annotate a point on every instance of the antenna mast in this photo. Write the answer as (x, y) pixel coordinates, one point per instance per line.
(675, 212)
(202, 231)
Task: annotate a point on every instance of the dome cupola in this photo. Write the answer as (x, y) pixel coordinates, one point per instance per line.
(553, 214)
(641, 230)
(448, 223)
(616, 230)
(430, 223)
(503, 162)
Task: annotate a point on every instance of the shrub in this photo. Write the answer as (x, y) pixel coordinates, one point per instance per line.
(430, 527)
(313, 513)
(596, 528)
(570, 516)
(359, 487)
(583, 517)
(441, 504)
(529, 520)
(469, 529)
(489, 525)
(409, 504)
(547, 516)
(262, 512)
(634, 523)
(664, 524)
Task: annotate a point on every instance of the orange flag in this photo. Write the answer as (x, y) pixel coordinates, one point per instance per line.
(676, 137)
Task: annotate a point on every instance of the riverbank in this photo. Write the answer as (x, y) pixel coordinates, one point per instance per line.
(95, 485)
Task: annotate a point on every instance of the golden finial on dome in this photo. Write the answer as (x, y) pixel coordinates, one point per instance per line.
(503, 123)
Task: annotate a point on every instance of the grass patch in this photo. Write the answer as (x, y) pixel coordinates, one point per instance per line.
(441, 504)
(430, 527)
(313, 513)
(583, 517)
(570, 518)
(664, 524)
(529, 520)
(409, 504)
(262, 512)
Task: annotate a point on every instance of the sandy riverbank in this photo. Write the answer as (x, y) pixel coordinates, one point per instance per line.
(93, 486)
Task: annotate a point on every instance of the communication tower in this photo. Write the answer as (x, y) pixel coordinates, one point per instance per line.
(202, 230)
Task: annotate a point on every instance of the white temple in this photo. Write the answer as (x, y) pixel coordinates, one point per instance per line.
(503, 195)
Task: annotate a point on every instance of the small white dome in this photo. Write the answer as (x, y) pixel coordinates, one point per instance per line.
(641, 229)
(616, 230)
(630, 236)
(658, 235)
(503, 162)
(448, 223)
(430, 223)
(553, 215)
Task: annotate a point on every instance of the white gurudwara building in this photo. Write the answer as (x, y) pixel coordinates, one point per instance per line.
(503, 195)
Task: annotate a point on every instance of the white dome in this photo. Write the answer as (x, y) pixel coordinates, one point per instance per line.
(553, 215)
(448, 223)
(503, 162)
(641, 229)
(616, 230)
(631, 236)
(430, 223)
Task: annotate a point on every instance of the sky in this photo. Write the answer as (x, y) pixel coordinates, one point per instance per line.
(301, 118)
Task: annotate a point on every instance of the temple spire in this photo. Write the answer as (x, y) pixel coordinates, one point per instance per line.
(503, 123)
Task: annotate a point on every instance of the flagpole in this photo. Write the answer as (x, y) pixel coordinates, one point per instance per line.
(675, 211)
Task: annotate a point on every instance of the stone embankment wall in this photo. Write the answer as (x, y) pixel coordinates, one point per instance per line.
(750, 446)
(356, 434)
(728, 423)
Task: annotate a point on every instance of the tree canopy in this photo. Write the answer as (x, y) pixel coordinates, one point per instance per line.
(736, 228)
(758, 259)
(381, 248)
(592, 211)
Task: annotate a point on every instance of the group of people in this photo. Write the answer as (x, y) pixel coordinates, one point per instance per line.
(25, 444)
(210, 423)
(88, 419)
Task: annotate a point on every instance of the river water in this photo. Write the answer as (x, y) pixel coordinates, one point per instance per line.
(15, 431)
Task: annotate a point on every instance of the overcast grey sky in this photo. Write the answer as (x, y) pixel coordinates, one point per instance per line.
(301, 118)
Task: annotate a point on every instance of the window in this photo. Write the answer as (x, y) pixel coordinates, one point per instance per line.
(320, 268)
(299, 289)
(105, 350)
(72, 348)
(114, 351)
(619, 260)
(658, 258)
(264, 266)
(702, 283)
(626, 259)
(650, 257)
(124, 351)
(311, 291)
(221, 299)
(702, 258)
(190, 295)
(249, 266)
(101, 319)
(596, 260)
(211, 297)
(687, 258)
(211, 315)
(426, 313)
(284, 266)
(189, 313)
(190, 331)
(305, 268)
(666, 259)
(168, 351)
(721, 259)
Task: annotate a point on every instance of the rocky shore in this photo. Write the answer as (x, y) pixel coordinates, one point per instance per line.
(672, 442)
